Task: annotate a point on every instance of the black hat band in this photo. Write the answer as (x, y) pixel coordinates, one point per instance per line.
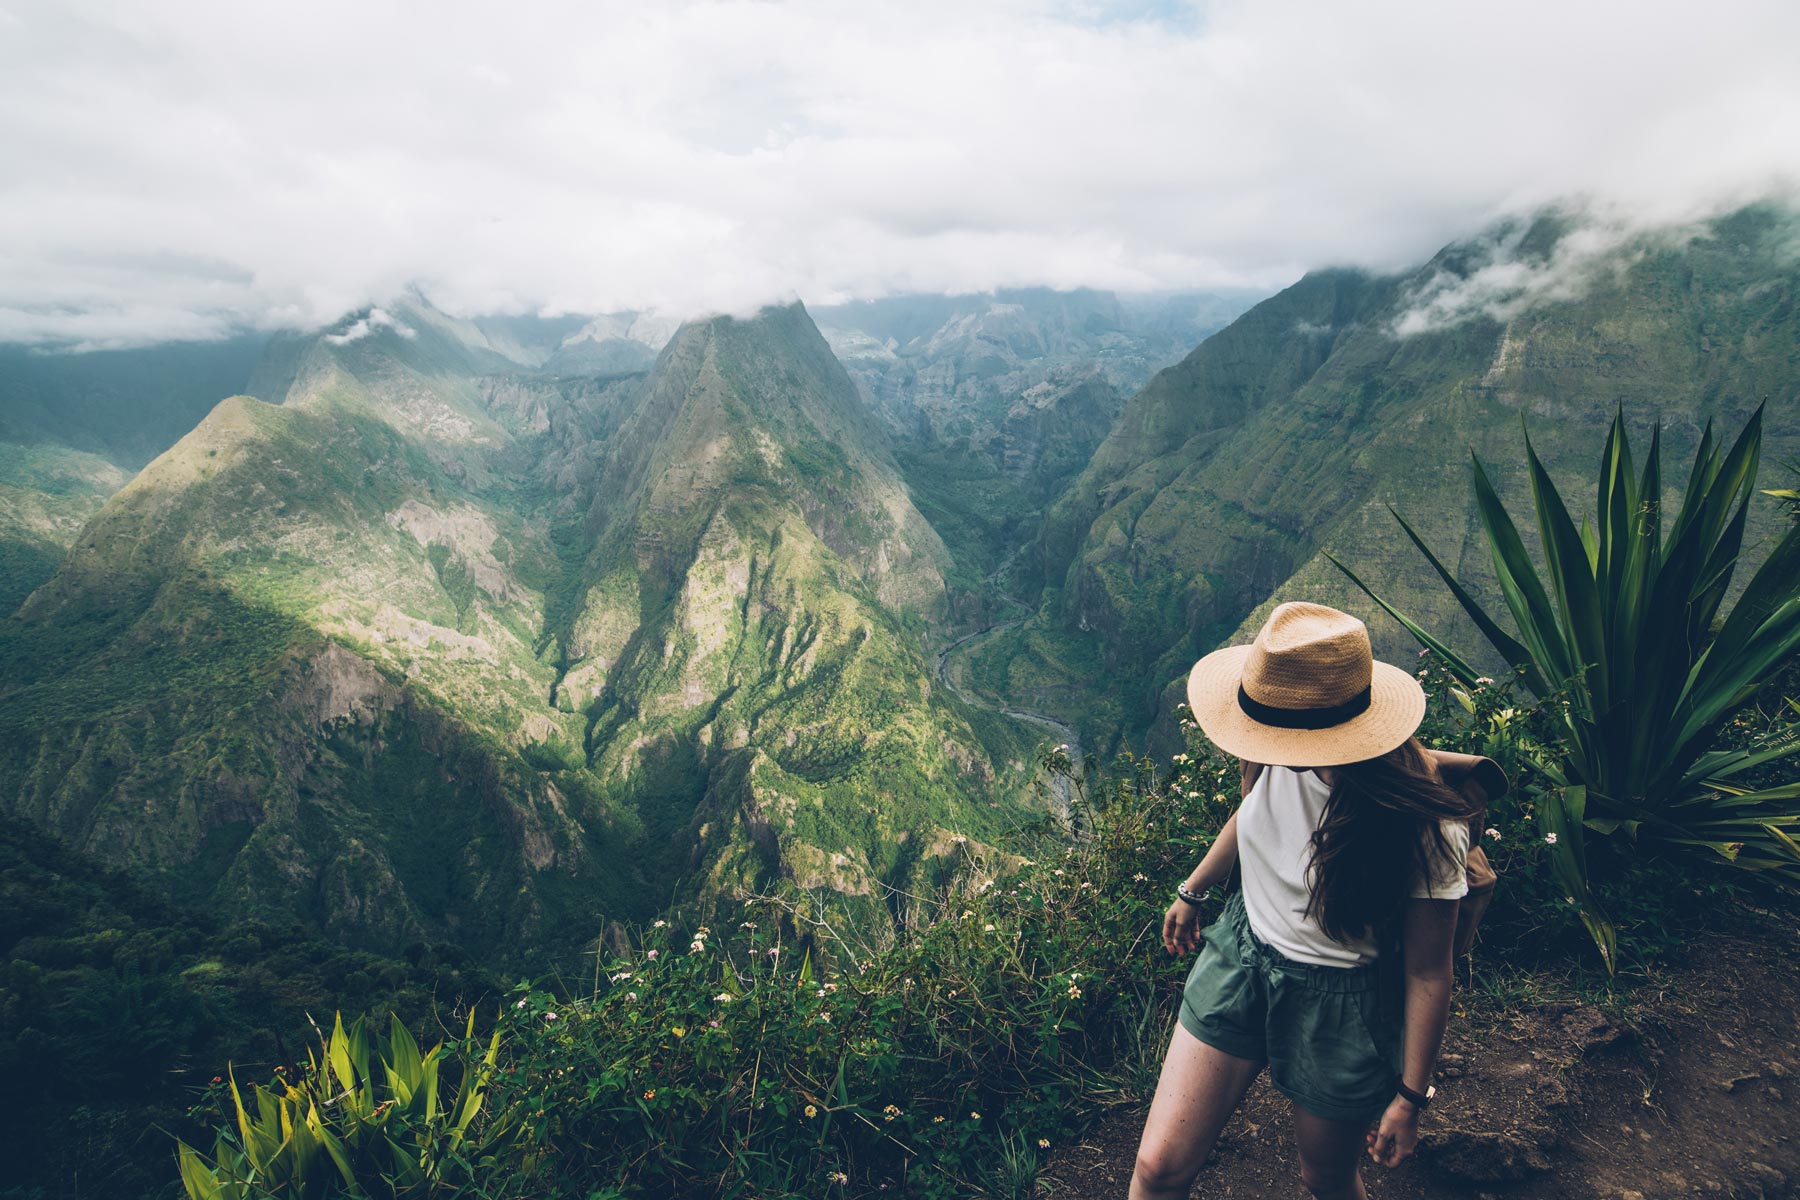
(1323, 717)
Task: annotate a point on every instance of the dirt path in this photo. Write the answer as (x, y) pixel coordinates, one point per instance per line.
(1696, 1093)
(1060, 786)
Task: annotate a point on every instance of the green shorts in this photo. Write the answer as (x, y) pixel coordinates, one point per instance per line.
(1331, 1035)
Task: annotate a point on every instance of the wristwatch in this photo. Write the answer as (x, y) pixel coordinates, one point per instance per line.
(1419, 1100)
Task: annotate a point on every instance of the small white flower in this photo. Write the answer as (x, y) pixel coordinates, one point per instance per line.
(549, 1016)
(1482, 679)
(631, 996)
(988, 928)
(1549, 839)
(1140, 877)
(1063, 749)
(1494, 833)
(652, 955)
(520, 1004)
(723, 998)
(1043, 1143)
(659, 925)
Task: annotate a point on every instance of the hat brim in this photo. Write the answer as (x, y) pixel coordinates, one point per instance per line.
(1396, 707)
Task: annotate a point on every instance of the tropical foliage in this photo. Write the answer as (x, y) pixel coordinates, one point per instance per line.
(404, 1126)
(1625, 635)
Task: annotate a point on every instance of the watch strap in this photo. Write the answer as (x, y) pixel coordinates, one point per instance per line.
(1419, 1099)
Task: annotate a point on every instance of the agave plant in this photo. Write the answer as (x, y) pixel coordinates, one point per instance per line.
(1626, 637)
(347, 1129)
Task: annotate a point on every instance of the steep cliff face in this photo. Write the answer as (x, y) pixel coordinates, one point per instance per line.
(1290, 432)
(749, 645)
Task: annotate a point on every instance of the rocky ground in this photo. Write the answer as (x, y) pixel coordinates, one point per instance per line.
(1689, 1088)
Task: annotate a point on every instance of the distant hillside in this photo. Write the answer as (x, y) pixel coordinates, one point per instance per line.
(1291, 430)
(995, 401)
(126, 406)
(437, 650)
(74, 427)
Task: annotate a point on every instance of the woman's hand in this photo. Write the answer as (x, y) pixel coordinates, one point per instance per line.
(1181, 927)
(1394, 1140)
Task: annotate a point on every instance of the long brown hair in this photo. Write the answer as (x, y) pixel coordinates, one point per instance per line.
(1378, 837)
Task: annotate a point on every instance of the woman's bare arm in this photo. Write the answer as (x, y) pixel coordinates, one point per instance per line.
(1429, 933)
(1218, 861)
(1181, 923)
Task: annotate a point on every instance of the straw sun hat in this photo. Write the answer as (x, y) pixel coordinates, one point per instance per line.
(1306, 693)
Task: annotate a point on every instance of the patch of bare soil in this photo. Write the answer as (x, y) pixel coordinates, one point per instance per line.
(1693, 1092)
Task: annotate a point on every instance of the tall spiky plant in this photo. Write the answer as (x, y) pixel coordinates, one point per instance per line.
(1626, 637)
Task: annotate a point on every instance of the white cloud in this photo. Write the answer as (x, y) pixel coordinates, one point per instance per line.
(369, 322)
(168, 170)
(1496, 279)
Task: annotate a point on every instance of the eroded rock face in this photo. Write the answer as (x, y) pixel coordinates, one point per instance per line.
(337, 685)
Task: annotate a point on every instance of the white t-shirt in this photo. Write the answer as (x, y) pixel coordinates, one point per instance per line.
(1275, 828)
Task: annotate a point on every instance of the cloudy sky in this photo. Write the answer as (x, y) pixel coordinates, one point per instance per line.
(170, 170)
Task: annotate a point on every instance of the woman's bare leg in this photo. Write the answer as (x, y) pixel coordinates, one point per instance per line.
(1199, 1089)
(1329, 1154)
